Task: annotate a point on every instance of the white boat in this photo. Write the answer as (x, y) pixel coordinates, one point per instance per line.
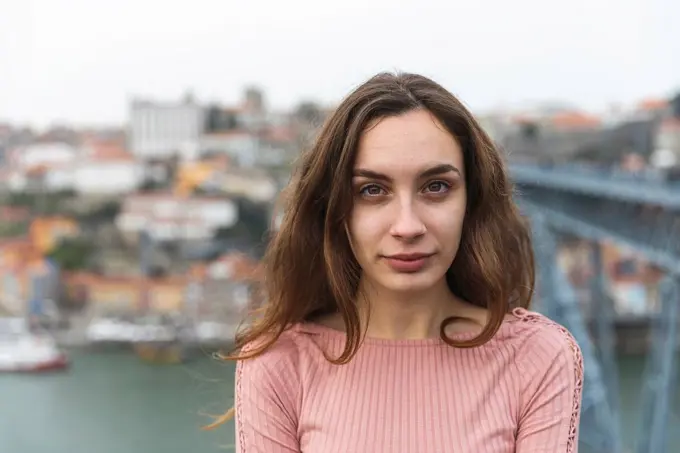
(112, 330)
(211, 332)
(23, 351)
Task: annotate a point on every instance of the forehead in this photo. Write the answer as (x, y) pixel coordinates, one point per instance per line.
(407, 141)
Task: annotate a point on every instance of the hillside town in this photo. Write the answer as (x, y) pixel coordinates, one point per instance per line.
(162, 222)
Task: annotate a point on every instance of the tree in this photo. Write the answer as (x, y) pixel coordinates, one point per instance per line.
(72, 254)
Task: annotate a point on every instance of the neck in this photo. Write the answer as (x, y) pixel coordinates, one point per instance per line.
(413, 315)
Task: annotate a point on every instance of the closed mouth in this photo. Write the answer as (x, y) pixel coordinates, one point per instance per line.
(409, 256)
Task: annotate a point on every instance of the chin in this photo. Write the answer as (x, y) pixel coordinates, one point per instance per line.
(416, 282)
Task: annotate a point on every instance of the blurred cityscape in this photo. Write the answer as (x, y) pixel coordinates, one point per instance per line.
(146, 238)
(145, 233)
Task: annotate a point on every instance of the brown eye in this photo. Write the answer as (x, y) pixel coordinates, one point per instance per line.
(371, 190)
(438, 187)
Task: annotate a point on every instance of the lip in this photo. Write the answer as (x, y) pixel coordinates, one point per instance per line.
(407, 262)
(409, 256)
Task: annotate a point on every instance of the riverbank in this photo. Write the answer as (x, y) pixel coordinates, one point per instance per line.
(73, 335)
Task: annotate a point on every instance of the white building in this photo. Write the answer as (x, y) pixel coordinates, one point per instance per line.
(88, 170)
(44, 154)
(161, 130)
(241, 146)
(108, 178)
(169, 218)
(246, 149)
(31, 167)
(667, 145)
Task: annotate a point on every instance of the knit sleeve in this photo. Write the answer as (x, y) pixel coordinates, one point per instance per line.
(552, 367)
(265, 402)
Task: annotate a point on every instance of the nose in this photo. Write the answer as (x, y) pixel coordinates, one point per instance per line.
(407, 224)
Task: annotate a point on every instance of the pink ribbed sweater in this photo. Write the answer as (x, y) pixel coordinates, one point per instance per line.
(521, 392)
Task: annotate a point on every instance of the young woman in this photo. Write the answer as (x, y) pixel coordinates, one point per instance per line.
(398, 287)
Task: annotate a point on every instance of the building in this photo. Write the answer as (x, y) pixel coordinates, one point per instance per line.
(47, 232)
(93, 168)
(29, 283)
(224, 289)
(667, 144)
(48, 154)
(107, 169)
(630, 282)
(160, 130)
(550, 137)
(167, 218)
(243, 183)
(239, 145)
(120, 295)
(191, 175)
(28, 166)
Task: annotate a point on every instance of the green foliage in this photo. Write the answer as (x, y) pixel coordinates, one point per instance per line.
(104, 213)
(43, 203)
(8, 230)
(72, 254)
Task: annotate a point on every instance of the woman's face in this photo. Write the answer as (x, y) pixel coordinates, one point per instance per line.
(409, 202)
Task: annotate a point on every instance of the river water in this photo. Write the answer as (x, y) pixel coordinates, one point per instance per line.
(114, 403)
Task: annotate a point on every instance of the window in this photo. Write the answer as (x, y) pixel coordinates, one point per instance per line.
(626, 267)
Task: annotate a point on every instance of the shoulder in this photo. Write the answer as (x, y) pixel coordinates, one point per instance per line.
(542, 339)
(271, 378)
(292, 354)
(282, 354)
(547, 347)
(551, 384)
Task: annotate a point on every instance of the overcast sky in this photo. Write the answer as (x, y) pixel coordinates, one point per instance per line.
(82, 60)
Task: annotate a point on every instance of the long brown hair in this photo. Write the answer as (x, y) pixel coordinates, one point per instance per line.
(309, 266)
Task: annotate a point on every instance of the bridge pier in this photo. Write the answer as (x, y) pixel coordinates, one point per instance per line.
(606, 333)
(600, 422)
(642, 213)
(660, 377)
(557, 300)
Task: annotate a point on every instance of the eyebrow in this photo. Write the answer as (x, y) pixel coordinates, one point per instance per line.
(432, 171)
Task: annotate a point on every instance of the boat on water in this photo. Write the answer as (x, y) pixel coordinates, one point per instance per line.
(112, 331)
(158, 341)
(160, 353)
(158, 338)
(23, 350)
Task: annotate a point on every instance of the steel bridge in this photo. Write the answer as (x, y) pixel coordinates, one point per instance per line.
(642, 213)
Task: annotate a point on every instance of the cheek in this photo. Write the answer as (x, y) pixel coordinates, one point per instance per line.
(364, 227)
(447, 223)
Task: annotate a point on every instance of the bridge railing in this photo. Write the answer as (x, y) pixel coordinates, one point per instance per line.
(583, 170)
(641, 188)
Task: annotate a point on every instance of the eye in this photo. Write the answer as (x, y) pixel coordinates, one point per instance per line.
(437, 187)
(371, 190)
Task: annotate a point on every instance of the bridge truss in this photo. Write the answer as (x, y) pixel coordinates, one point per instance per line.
(598, 208)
